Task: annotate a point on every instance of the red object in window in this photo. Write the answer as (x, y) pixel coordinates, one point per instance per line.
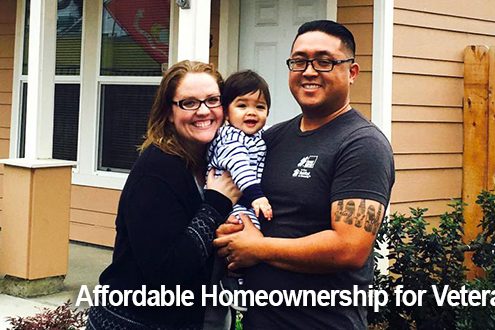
(147, 22)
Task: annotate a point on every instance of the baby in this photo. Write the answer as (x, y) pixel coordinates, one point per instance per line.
(239, 147)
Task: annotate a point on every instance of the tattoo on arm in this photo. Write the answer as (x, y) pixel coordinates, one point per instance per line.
(367, 217)
(340, 211)
(361, 214)
(376, 225)
(346, 214)
(370, 220)
(350, 207)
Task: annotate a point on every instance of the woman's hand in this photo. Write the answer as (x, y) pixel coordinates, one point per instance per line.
(224, 185)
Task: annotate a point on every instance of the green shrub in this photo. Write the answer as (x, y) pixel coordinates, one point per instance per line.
(420, 259)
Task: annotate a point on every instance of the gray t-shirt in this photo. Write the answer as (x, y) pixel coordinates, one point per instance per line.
(304, 173)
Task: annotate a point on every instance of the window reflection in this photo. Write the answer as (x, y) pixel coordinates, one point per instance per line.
(135, 37)
(69, 31)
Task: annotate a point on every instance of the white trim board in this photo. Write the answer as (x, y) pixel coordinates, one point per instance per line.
(381, 91)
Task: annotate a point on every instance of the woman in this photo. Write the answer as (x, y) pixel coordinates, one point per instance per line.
(166, 222)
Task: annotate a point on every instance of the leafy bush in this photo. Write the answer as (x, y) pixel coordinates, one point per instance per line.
(420, 259)
(60, 318)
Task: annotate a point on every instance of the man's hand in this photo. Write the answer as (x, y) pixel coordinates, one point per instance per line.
(263, 205)
(231, 226)
(240, 248)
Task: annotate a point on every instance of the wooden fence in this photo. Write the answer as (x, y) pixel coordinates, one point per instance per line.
(479, 135)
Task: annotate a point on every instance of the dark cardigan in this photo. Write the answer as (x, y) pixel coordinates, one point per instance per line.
(164, 236)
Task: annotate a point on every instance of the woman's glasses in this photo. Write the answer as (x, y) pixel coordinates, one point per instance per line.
(192, 104)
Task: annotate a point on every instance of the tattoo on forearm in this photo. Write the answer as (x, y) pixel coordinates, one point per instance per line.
(364, 216)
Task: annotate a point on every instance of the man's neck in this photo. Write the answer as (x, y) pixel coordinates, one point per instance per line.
(309, 122)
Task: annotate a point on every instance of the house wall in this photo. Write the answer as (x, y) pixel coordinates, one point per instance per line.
(92, 214)
(427, 134)
(7, 36)
(357, 16)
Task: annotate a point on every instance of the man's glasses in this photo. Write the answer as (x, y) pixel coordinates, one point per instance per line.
(318, 64)
(192, 104)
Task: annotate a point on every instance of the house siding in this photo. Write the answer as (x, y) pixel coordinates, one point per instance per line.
(427, 133)
(92, 214)
(7, 37)
(357, 16)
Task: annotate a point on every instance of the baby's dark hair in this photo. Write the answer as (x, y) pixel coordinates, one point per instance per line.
(242, 83)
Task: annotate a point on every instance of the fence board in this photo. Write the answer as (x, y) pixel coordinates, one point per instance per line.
(476, 73)
(491, 121)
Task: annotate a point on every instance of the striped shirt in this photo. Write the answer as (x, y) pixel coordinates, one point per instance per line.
(242, 155)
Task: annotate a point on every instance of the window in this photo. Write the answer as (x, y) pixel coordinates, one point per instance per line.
(134, 47)
(105, 82)
(67, 88)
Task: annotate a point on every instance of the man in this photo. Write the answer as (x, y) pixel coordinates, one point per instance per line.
(328, 175)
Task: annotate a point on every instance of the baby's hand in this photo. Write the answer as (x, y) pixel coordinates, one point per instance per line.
(263, 205)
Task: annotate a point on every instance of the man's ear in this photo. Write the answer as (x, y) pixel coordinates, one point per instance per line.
(353, 72)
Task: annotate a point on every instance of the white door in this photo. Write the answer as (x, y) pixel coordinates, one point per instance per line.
(267, 29)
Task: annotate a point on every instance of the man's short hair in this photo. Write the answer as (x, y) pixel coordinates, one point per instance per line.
(331, 28)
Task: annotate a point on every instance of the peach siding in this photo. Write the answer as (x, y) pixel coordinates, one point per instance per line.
(92, 214)
(427, 133)
(7, 36)
(358, 17)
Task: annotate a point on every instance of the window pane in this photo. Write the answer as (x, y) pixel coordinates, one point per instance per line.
(66, 121)
(135, 37)
(22, 130)
(25, 47)
(124, 116)
(69, 31)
